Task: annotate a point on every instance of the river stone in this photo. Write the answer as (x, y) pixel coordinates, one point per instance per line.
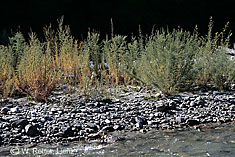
(77, 127)
(12, 140)
(216, 92)
(139, 120)
(193, 104)
(162, 108)
(9, 105)
(94, 136)
(159, 95)
(4, 125)
(180, 119)
(96, 110)
(53, 110)
(34, 113)
(232, 102)
(15, 109)
(108, 128)
(62, 119)
(192, 122)
(59, 134)
(198, 98)
(49, 118)
(118, 127)
(80, 120)
(107, 121)
(92, 126)
(111, 139)
(31, 130)
(139, 125)
(84, 110)
(68, 132)
(1, 140)
(90, 130)
(143, 131)
(172, 105)
(4, 110)
(149, 122)
(21, 122)
(42, 120)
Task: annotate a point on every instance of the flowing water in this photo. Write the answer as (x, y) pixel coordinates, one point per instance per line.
(214, 140)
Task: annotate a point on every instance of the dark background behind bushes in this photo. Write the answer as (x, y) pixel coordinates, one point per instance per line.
(127, 15)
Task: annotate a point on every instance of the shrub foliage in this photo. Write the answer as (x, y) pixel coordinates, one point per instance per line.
(168, 60)
(6, 71)
(172, 61)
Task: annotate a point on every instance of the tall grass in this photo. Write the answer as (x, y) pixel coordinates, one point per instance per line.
(171, 61)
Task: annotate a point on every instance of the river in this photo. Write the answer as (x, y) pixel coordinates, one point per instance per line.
(213, 140)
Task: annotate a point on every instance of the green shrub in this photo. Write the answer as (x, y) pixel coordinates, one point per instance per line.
(130, 61)
(6, 72)
(114, 51)
(9, 60)
(65, 50)
(171, 61)
(168, 59)
(212, 65)
(222, 71)
(36, 74)
(16, 48)
(87, 49)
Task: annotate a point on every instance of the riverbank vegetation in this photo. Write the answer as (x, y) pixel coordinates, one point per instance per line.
(171, 61)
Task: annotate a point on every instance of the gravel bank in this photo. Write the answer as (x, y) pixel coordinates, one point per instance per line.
(67, 117)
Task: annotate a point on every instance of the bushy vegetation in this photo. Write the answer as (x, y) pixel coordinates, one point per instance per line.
(36, 71)
(6, 71)
(172, 61)
(168, 59)
(213, 64)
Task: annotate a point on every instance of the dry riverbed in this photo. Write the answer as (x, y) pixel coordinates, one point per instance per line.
(70, 116)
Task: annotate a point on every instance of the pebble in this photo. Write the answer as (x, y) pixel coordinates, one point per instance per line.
(107, 121)
(20, 123)
(162, 108)
(31, 130)
(4, 110)
(15, 109)
(68, 118)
